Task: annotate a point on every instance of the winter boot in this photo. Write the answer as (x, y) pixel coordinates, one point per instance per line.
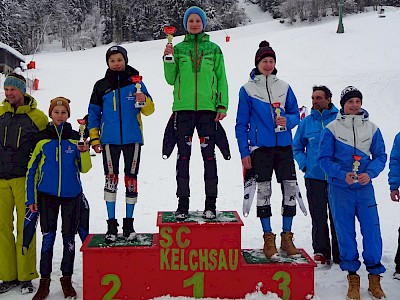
(287, 244)
(5, 286)
(270, 250)
(396, 274)
(68, 289)
(128, 231)
(112, 231)
(183, 209)
(210, 208)
(353, 293)
(43, 290)
(26, 287)
(374, 287)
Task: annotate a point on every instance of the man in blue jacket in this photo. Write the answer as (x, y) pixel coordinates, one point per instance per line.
(305, 149)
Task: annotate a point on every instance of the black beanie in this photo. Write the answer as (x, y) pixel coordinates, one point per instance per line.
(348, 93)
(264, 50)
(117, 49)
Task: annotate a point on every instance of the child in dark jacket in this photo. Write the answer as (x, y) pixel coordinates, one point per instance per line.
(52, 183)
(115, 125)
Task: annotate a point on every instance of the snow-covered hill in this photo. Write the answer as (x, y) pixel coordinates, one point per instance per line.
(366, 56)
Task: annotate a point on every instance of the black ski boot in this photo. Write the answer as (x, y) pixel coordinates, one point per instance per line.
(112, 231)
(128, 231)
(182, 212)
(210, 208)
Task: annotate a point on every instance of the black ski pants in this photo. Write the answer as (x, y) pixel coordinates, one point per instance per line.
(186, 122)
(317, 196)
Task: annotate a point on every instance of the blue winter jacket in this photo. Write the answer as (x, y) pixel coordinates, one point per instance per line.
(346, 136)
(55, 164)
(307, 138)
(113, 117)
(394, 164)
(255, 119)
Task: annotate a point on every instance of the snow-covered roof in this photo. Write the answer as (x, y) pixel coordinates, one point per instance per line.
(12, 51)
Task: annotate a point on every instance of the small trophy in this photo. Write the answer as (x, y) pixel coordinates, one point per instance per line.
(82, 127)
(137, 79)
(356, 164)
(169, 31)
(277, 106)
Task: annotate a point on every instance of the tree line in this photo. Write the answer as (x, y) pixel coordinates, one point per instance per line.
(80, 24)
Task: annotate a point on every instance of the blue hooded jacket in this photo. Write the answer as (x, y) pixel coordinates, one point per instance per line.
(307, 138)
(345, 137)
(255, 119)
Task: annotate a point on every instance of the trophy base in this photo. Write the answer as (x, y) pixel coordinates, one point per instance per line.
(280, 129)
(355, 178)
(169, 59)
(140, 104)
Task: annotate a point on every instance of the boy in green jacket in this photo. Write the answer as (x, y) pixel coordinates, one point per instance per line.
(200, 99)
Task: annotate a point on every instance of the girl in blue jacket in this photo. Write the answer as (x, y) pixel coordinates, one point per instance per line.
(352, 152)
(267, 112)
(53, 183)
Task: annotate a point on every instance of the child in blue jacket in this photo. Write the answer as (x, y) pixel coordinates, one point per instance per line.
(115, 126)
(352, 153)
(394, 182)
(53, 183)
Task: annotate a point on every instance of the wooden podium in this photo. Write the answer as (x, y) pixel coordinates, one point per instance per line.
(195, 258)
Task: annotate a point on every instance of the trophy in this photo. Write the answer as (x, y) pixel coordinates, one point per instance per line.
(82, 127)
(137, 79)
(356, 164)
(169, 31)
(277, 106)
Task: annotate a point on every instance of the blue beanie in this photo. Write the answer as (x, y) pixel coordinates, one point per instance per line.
(195, 10)
(15, 82)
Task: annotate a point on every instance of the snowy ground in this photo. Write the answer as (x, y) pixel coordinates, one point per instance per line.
(365, 56)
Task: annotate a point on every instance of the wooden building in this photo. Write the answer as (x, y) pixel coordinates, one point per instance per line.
(9, 59)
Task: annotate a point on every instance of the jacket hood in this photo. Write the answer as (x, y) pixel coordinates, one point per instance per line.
(200, 37)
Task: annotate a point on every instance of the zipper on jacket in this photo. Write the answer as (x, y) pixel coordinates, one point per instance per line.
(179, 88)
(270, 107)
(120, 112)
(5, 136)
(196, 48)
(19, 136)
(59, 160)
(114, 102)
(354, 136)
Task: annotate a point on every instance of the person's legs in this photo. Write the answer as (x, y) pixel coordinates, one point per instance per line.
(8, 266)
(318, 206)
(26, 263)
(206, 127)
(367, 214)
(343, 206)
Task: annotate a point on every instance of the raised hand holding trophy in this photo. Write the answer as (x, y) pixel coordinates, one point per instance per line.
(137, 79)
(169, 31)
(278, 109)
(356, 164)
(82, 127)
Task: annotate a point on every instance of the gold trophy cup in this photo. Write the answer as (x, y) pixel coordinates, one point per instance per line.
(356, 164)
(82, 127)
(137, 79)
(169, 31)
(278, 110)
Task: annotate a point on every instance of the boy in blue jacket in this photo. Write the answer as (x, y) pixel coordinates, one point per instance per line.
(53, 183)
(115, 125)
(351, 153)
(394, 182)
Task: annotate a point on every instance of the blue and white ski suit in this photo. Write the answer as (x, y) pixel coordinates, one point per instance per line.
(352, 135)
